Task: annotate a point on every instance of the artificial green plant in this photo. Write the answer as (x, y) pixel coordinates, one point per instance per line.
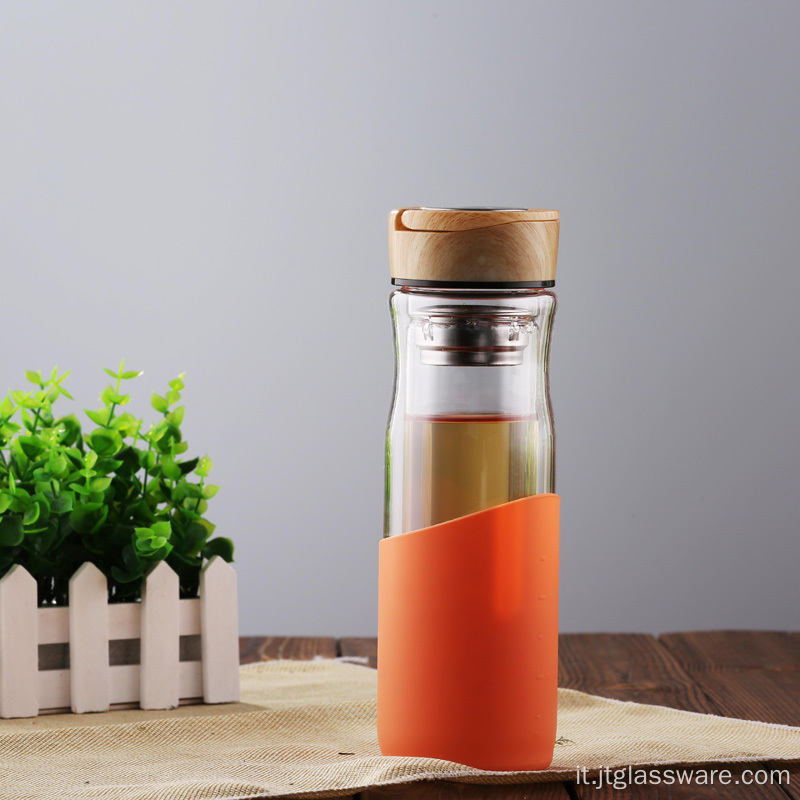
(119, 495)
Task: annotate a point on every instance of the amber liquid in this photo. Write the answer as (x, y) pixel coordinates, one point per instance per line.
(457, 465)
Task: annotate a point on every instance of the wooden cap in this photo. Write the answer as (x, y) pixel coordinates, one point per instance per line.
(473, 246)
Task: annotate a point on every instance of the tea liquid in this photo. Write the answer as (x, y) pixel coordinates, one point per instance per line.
(457, 465)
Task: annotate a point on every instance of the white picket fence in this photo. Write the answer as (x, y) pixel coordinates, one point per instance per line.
(90, 622)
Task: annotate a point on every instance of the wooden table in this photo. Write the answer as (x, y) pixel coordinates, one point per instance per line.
(745, 674)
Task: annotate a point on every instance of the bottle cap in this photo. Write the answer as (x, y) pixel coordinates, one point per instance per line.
(473, 247)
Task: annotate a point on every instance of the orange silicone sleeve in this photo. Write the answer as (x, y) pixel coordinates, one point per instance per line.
(468, 638)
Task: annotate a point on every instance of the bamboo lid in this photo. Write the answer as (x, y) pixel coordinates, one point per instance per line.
(490, 247)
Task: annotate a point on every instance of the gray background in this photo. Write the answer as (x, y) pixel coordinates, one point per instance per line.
(204, 187)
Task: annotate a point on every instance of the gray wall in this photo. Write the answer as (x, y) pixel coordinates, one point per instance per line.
(204, 186)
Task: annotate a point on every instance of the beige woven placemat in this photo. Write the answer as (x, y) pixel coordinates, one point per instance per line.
(307, 729)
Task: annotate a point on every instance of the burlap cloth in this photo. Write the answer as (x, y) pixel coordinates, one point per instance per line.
(307, 729)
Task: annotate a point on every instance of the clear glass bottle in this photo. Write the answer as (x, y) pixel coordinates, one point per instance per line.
(468, 564)
(471, 424)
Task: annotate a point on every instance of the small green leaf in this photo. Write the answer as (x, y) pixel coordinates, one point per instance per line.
(90, 459)
(31, 515)
(147, 459)
(170, 469)
(11, 532)
(194, 539)
(63, 503)
(99, 524)
(31, 445)
(209, 491)
(176, 415)
(98, 417)
(162, 529)
(105, 442)
(128, 376)
(188, 490)
(165, 435)
(159, 403)
(7, 407)
(9, 429)
(204, 467)
(110, 372)
(123, 576)
(34, 377)
(100, 484)
(189, 466)
(56, 464)
(126, 424)
(219, 547)
(5, 501)
(173, 396)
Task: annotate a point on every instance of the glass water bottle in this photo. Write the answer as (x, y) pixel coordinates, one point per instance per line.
(467, 655)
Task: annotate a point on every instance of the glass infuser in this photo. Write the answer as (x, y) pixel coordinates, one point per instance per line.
(468, 627)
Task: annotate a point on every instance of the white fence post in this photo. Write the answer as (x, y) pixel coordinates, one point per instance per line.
(160, 639)
(88, 640)
(219, 638)
(19, 644)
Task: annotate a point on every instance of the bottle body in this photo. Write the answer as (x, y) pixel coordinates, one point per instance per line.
(468, 585)
(468, 564)
(471, 423)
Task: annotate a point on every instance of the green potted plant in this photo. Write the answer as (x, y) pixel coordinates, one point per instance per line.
(120, 494)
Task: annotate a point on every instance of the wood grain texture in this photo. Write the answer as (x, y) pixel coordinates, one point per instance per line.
(746, 674)
(637, 667)
(360, 648)
(472, 246)
(627, 666)
(448, 219)
(442, 790)
(301, 648)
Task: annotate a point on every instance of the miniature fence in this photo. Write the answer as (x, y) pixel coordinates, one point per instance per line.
(85, 632)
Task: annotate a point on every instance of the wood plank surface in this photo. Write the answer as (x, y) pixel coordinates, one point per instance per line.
(746, 674)
(627, 666)
(300, 648)
(442, 790)
(638, 667)
(361, 647)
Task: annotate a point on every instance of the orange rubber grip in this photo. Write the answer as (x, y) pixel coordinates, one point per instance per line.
(468, 638)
